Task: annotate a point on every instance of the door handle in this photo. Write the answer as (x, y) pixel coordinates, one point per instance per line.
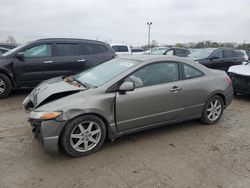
(81, 60)
(48, 61)
(175, 89)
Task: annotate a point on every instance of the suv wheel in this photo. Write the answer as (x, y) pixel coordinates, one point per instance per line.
(83, 136)
(213, 110)
(5, 86)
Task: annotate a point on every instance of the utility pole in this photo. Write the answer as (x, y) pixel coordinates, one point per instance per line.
(149, 26)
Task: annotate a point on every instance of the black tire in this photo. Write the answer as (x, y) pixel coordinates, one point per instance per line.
(5, 86)
(205, 116)
(66, 140)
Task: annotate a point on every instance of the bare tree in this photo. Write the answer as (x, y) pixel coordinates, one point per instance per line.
(11, 40)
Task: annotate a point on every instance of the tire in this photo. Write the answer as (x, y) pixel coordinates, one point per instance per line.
(80, 138)
(211, 114)
(5, 86)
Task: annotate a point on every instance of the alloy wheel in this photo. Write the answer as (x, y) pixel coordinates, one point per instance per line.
(214, 110)
(2, 86)
(85, 136)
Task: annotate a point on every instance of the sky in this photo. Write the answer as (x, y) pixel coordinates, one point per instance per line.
(125, 21)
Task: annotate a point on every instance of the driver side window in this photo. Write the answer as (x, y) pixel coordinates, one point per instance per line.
(155, 74)
(44, 50)
(217, 54)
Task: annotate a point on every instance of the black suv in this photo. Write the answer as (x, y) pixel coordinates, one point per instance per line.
(29, 64)
(217, 58)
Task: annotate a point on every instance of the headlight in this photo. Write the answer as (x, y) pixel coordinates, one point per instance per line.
(44, 115)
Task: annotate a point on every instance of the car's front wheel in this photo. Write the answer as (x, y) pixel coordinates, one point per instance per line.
(83, 135)
(213, 110)
(5, 86)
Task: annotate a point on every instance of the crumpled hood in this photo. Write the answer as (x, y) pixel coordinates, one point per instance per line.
(52, 88)
(240, 69)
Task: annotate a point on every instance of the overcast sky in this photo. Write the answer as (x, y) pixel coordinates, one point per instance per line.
(125, 20)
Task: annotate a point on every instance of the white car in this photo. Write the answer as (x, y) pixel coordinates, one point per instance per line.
(121, 49)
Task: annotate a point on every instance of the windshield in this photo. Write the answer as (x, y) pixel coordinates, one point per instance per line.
(13, 50)
(105, 72)
(201, 53)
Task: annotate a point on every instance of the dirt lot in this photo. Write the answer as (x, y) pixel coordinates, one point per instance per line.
(183, 155)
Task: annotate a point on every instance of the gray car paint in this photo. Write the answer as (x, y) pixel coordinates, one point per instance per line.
(138, 109)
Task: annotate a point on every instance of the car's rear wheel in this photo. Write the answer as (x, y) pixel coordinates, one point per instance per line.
(83, 135)
(213, 110)
(5, 86)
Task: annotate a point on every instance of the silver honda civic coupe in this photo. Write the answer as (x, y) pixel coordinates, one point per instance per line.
(121, 96)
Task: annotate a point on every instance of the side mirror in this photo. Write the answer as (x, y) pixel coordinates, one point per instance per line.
(126, 86)
(20, 55)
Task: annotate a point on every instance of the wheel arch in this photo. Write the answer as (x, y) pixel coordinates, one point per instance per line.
(218, 93)
(8, 76)
(109, 133)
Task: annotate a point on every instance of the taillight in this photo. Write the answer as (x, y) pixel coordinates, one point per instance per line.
(229, 81)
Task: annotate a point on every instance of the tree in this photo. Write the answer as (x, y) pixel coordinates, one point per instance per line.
(11, 40)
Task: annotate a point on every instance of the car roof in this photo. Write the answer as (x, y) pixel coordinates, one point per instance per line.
(121, 44)
(68, 40)
(178, 48)
(144, 58)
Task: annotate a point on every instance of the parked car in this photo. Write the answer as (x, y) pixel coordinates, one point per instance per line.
(8, 45)
(137, 51)
(217, 58)
(122, 96)
(3, 50)
(121, 49)
(173, 51)
(29, 64)
(240, 76)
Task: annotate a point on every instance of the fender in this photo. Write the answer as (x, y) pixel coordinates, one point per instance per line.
(10, 75)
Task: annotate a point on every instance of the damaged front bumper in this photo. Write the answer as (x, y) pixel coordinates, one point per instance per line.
(47, 133)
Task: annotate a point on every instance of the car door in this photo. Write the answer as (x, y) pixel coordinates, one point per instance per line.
(195, 83)
(158, 97)
(230, 57)
(216, 60)
(31, 70)
(70, 59)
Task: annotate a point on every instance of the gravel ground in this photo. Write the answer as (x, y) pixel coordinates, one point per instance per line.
(183, 155)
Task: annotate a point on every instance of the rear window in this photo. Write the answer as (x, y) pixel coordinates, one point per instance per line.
(239, 53)
(96, 48)
(191, 72)
(66, 49)
(120, 48)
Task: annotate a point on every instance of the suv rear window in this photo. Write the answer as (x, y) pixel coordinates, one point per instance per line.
(68, 49)
(96, 48)
(120, 48)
